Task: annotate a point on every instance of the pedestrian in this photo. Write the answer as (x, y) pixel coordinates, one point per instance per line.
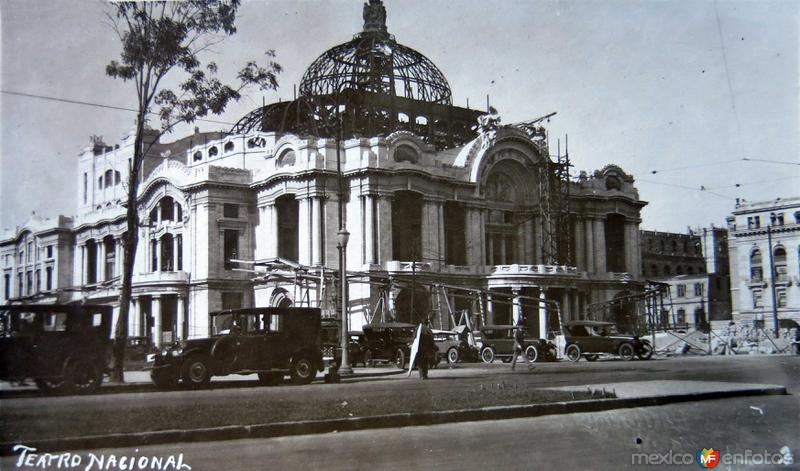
(427, 348)
(519, 348)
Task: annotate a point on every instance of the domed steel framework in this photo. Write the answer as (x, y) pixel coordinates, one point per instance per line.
(374, 62)
(369, 86)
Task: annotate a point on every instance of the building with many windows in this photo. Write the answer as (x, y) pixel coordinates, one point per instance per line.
(695, 267)
(447, 211)
(764, 261)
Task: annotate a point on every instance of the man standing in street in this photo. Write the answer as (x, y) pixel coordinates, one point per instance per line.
(519, 348)
(427, 348)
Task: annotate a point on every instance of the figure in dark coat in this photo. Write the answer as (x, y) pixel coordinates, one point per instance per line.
(427, 348)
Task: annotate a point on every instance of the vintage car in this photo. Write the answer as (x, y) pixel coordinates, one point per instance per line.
(498, 342)
(389, 341)
(271, 342)
(591, 338)
(332, 347)
(454, 347)
(63, 348)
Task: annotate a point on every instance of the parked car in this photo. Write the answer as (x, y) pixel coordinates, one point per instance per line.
(498, 342)
(589, 339)
(63, 348)
(332, 347)
(271, 342)
(389, 341)
(454, 347)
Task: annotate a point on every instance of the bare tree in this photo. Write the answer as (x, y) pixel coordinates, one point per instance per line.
(162, 39)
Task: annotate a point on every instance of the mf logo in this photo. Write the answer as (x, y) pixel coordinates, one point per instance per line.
(707, 457)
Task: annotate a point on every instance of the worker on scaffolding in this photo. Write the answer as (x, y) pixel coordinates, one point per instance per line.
(519, 347)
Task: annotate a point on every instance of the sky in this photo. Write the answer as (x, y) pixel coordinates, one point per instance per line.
(697, 100)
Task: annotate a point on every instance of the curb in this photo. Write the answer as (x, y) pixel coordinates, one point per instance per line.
(238, 432)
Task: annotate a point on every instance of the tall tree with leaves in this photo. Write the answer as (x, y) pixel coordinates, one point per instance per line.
(166, 42)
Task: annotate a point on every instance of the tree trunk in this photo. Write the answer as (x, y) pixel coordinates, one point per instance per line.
(129, 243)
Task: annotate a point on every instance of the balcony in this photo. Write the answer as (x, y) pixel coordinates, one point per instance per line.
(161, 278)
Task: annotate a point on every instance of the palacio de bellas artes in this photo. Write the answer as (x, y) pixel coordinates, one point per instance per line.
(441, 211)
(449, 209)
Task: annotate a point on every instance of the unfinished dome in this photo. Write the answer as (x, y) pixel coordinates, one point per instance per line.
(374, 62)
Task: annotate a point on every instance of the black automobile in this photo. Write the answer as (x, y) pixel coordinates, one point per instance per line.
(332, 347)
(498, 342)
(389, 341)
(63, 348)
(589, 339)
(271, 342)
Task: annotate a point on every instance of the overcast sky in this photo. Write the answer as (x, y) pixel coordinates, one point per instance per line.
(688, 90)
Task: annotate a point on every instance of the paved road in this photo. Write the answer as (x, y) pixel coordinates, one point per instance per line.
(601, 440)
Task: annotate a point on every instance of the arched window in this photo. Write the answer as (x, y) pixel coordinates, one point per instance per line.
(779, 260)
(109, 177)
(213, 151)
(756, 269)
(286, 159)
(229, 146)
(167, 252)
(615, 243)
(197, 156)
(406, 153)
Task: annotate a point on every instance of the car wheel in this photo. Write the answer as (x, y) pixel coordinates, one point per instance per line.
(303, 371)
(452, 355)
(626, 351)
(646, 352)
(487, 355)
(52, 386)
(400, 359)
(164, 379)
(591, 357)
(532, 353)
(368, 361)
(573, 352)
(83, 376)
(196, 372)
(270, 379)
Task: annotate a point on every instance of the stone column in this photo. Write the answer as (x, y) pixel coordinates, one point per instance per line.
(316, 231)
(537, 240)
(384, 228)
(119, 256)
(599, 245)
(580, 255)
(133, 317)
(174, 252)
(175, 207)
(516, 311)
(528, 253)
(632, 263)
(431, 239)
(369, 229)
(543, 311)
(181, 318)
(589, 251)
(489, 308)
(272, 231)
(304, 225)
(156, 307)
(101, 260)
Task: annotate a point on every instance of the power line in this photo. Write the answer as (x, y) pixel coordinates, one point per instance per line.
(97, 105)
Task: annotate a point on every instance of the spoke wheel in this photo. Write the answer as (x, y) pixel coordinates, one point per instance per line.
(400, 358)
(487, 355)
(452, 356)
(303, 371)
(573, 352)
(626, 351)
(83, 376)
(532, 353)
(196, 372)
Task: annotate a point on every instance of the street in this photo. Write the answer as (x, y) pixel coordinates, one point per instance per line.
(610, 437)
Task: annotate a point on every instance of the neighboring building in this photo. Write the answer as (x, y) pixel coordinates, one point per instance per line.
(695, 267)
(430, 204)
(764, 252)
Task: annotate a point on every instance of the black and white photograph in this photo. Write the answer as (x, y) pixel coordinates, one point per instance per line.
(399, 234)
